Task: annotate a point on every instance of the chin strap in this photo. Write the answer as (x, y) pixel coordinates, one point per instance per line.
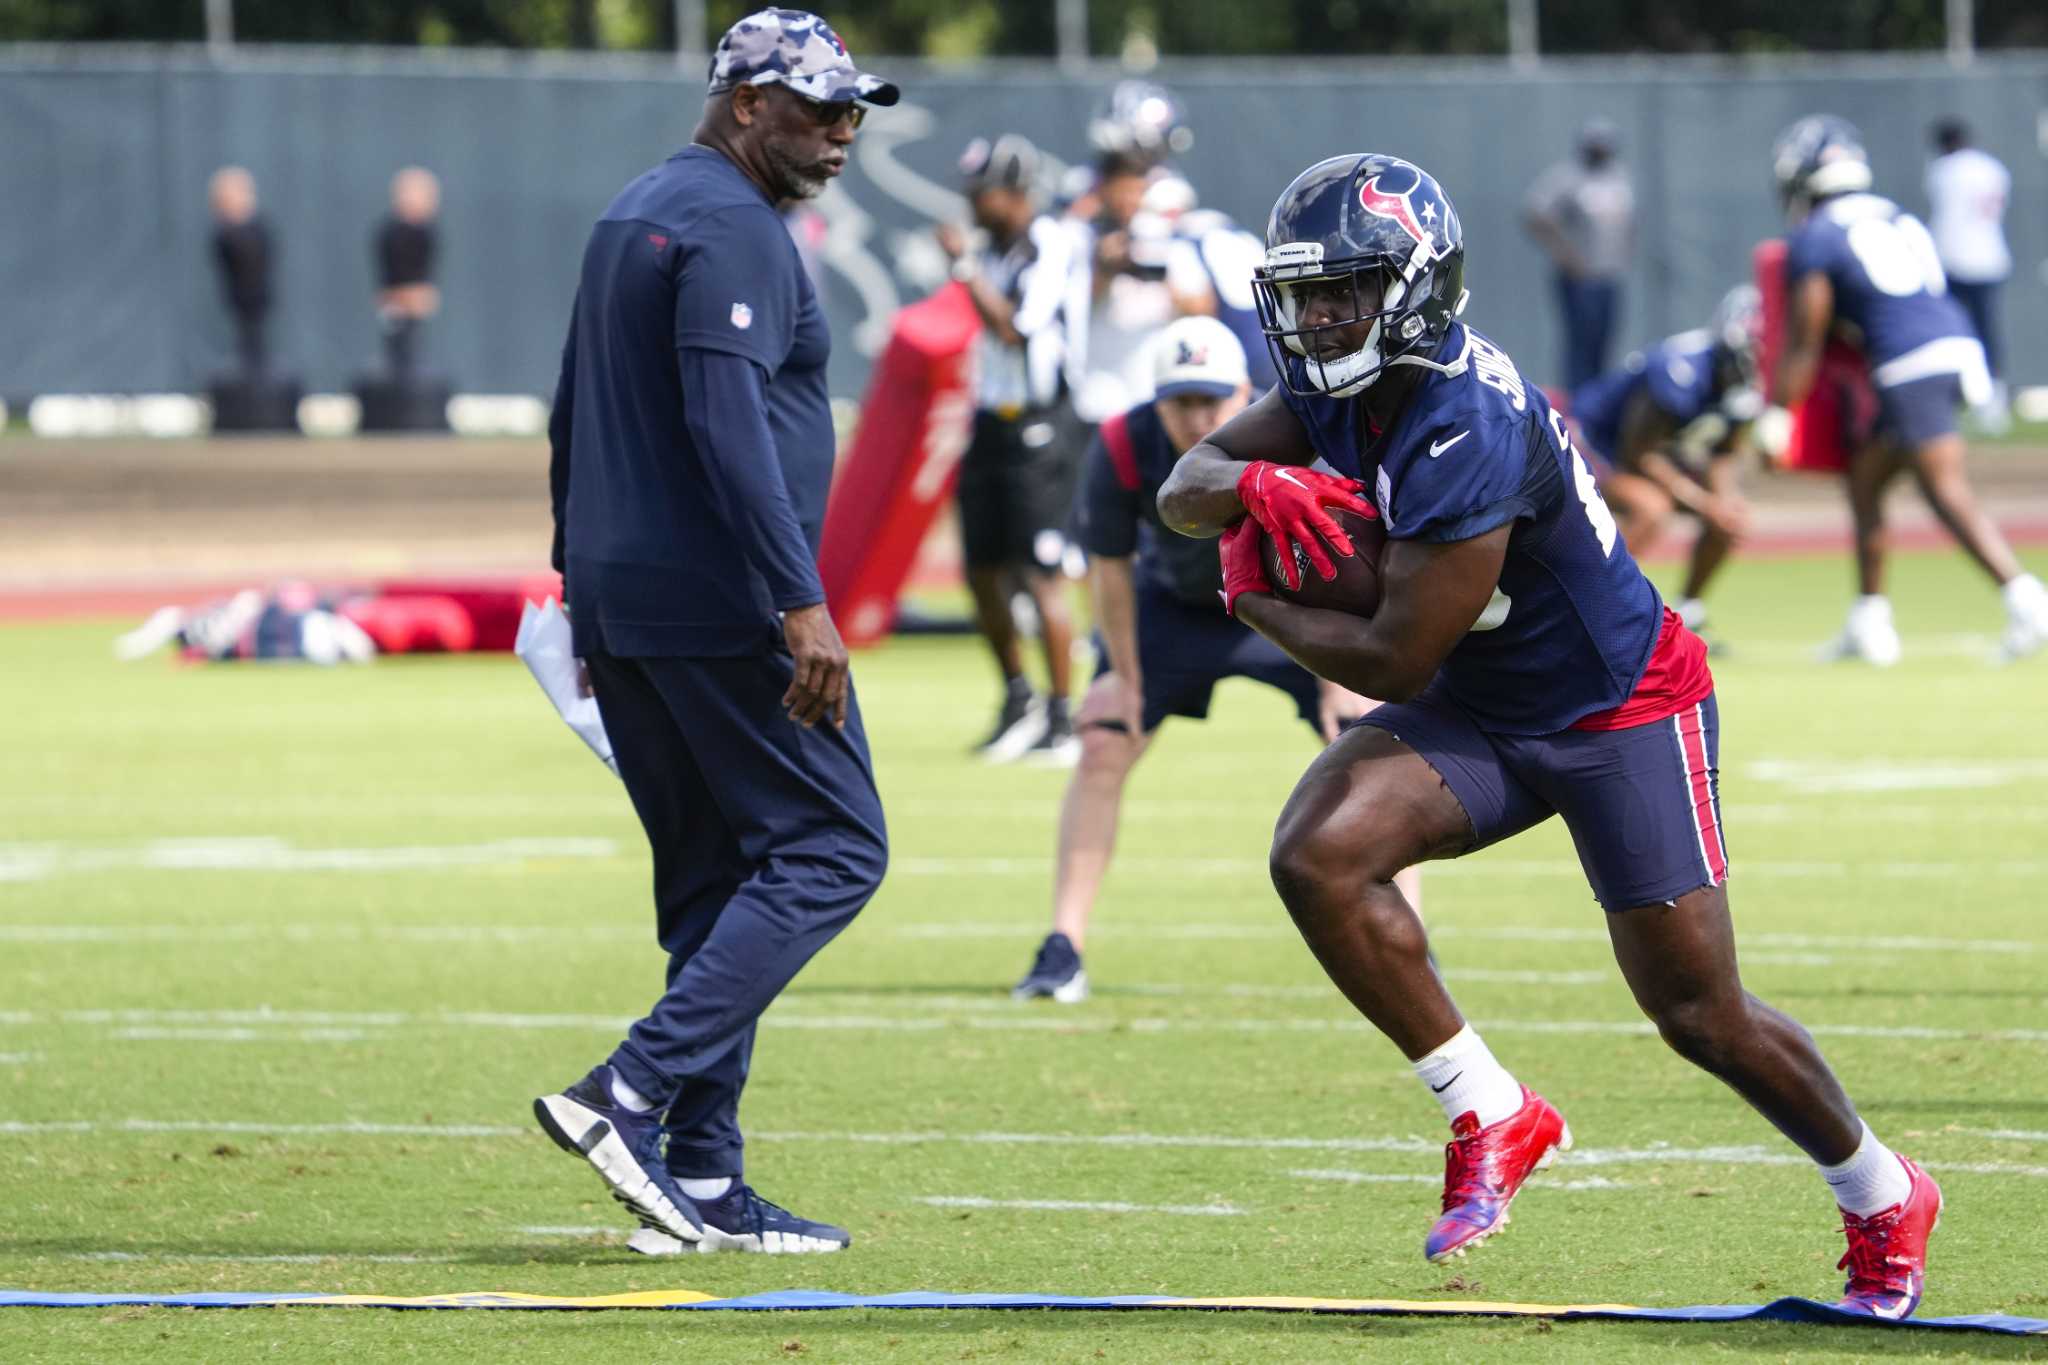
(1457, 366)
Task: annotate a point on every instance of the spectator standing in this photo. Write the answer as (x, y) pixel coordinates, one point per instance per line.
(405, 248)
(241, 248)
(1967, 191)
(1583, 213)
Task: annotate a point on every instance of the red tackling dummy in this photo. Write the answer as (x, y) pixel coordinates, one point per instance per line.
(1837, 417)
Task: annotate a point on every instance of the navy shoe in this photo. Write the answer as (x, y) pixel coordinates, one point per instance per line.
(625, 1147)
(741, 1220)
(1055, 974)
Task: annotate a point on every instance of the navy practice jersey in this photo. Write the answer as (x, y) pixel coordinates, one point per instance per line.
(1117, 515)
(1886, 276)
(1573, 621)
(1679, 375)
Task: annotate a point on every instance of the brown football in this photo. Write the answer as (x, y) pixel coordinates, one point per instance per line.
(1355, 589)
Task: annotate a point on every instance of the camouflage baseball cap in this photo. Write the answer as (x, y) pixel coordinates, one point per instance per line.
(795, 48)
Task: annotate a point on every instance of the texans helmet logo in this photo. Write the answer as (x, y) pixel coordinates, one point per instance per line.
(1400, 208)
(1191, 354)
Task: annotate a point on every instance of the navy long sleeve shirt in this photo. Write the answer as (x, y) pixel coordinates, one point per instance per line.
(692, 433)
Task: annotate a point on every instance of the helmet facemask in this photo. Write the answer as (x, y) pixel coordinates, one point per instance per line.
(1373, 293)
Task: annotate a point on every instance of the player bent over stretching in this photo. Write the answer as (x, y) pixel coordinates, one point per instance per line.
(1163, 646)
(1531, 671)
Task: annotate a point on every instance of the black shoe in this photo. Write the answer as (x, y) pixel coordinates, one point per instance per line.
(1055, 974)
(1059, 746)
(1019, 726)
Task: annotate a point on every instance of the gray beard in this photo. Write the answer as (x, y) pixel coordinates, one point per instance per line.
(791, 182)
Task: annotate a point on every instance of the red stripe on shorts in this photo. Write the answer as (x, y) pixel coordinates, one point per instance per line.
(1692, 744)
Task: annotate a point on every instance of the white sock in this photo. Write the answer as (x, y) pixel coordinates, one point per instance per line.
(1869, 1181)
(628, 1096)
(1465, 1078)
(706, 1189)
(2024, 595)
(1871, 606)
(1692, 613)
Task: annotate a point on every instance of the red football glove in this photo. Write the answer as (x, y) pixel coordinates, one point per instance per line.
(1288, 500)
(1243, 569)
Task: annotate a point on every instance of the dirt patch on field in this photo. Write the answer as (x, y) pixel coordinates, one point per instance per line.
(123, 522)
(79, 515)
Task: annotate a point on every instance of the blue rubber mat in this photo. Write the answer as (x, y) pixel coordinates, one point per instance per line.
(1779, 1310)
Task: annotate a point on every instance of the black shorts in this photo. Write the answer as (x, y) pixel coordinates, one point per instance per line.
(1017, 487)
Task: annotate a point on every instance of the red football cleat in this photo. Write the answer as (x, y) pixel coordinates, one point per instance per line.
(1887, 1256)
(1484, 1169)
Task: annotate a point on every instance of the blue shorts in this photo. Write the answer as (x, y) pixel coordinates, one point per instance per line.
(1185, 650)
(1919, 410)
(1643, 804)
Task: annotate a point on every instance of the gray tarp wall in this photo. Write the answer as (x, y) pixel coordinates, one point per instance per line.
(108, 284)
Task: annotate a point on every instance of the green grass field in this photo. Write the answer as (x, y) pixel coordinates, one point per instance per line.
(238, 899)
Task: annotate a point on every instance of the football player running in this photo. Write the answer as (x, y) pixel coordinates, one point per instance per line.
(1663, 434)
(1531, 671)
(1857, 263)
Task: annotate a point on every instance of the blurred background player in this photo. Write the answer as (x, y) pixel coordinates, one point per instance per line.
(1162, 645)
(1967, 191)
(1663, 433)
(1130, 298)
(404, 249)
(1582, 212)
(1209, 263)
(1028, 282)
(1857, 263)
(241, 249)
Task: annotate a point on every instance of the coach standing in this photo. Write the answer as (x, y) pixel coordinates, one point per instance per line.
(692, 451)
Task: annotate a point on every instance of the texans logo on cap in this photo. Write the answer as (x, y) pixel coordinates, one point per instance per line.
(1191, 354)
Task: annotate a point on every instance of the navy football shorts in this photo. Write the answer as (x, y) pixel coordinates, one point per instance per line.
(1643, 804)
(1185, 650)
(1919, 410)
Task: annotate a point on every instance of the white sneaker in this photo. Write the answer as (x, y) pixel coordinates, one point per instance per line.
(1869, 635)
(2026, 624)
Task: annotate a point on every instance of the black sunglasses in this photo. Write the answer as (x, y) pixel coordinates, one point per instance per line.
(830, 113)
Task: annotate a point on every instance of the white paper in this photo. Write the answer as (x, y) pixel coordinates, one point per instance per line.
(543, 642)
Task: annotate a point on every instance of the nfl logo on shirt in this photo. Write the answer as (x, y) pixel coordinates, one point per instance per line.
(742, 316)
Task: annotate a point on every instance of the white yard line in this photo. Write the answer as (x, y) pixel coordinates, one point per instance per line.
(1654, 1154)
(969, 1201)
(1518, 868)
(2005, 1134)
(1591, 1182)
(237, 1035)
(38, 862)
(244, 1128)
(279, 1258)
(915, 1017)
(1813, 777)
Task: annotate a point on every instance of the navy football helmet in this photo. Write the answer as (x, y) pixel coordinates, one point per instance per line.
(1375, 230)
(1142, 121)
(1737, 327)
(1818, 156)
